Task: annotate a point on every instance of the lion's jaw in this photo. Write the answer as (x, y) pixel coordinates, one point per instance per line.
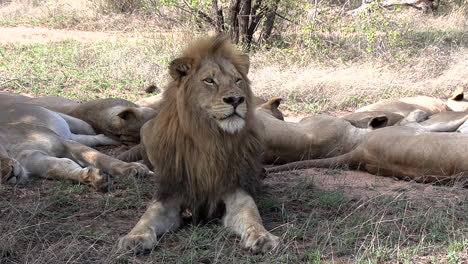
(231, 124)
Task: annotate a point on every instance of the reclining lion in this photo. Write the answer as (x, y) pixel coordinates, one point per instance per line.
(38, 151)
(37, 141)
(58, 123)
(318, 136)
(205, 146)
(430, 105)
(411, 152)
(117, 118)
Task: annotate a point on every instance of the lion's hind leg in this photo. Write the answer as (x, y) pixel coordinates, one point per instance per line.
(94, 140)
(40, 164)
(242, 216)
(159, 218)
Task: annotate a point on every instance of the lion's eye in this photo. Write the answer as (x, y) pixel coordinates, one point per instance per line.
(238, 81)
(209, 81)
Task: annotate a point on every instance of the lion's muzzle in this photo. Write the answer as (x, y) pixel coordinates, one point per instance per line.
(234, 100)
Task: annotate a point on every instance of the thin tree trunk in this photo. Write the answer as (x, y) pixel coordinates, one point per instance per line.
(269, 20)
(234, 9)
(244, 19)
(219, 21)
(256, 17)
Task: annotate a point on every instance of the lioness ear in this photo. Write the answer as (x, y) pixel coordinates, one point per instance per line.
(180, 67)
(127, 114)
(458, 94)
(242, 63)
(378, 122)
(273, 103)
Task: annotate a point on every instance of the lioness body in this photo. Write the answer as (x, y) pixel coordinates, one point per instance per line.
(407, 152)
(318, 136)
(205, 146)
(39, 116)
(117, 118)
(430, 105)
(404, 106)
(37, 141)
(38, 151)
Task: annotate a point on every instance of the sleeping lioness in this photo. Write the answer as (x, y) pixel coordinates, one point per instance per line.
(416, 151)
(430, 105)
(117, 118)
(36, 141)
(58, 123)
(317, 136)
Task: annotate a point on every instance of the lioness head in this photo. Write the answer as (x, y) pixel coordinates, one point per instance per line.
(217, 86)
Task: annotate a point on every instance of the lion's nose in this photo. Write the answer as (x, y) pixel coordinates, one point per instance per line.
(234, 100)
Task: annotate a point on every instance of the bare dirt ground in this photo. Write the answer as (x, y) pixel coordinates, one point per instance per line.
(42, 35)
(354, 184)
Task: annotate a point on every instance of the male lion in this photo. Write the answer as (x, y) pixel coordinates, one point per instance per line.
(205, 146)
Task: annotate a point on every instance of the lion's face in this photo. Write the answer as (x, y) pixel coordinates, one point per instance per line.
(219, 90)
(215, 89)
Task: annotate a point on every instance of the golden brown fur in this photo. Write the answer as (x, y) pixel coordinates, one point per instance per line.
(205, 146)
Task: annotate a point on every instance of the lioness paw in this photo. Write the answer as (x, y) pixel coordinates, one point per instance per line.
(137, 242)
(12, 172)
(260, 242)
(138, 170)
(96, 178)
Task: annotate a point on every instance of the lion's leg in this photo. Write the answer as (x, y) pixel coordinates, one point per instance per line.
(78, 126)
(94, 140)
(159, 218)
(242, 216)
(87, 156)
(40, 164)
(133, 154)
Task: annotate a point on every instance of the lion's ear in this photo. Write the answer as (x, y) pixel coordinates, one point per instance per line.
(180, 67)
(458, 94)
(242, 63)
(127, 114)
(275, 102)
(272, 104)
(378, 122)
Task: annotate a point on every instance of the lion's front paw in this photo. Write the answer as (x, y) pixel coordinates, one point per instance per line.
(98, 179)
(138, 170)
(137, 242)
(12, 172)
(260, 241)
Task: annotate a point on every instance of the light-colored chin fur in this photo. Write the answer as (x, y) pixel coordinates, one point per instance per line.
(232, 124)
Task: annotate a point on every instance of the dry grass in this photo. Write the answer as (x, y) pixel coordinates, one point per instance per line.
(321, 217)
